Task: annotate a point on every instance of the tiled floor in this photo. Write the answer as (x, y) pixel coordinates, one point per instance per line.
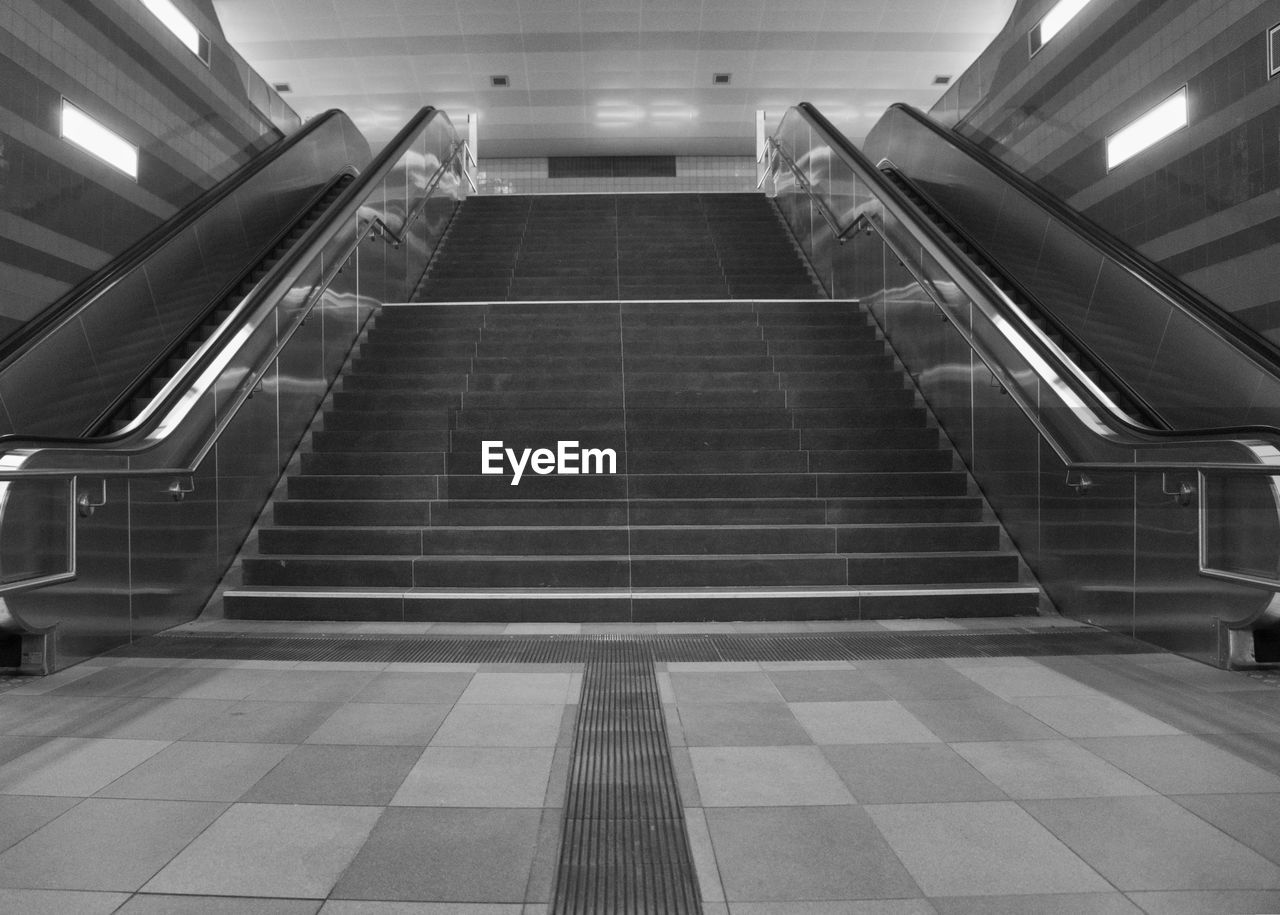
(1116, 784)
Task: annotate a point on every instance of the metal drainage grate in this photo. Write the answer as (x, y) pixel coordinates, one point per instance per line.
(851, 646)
(623, 848)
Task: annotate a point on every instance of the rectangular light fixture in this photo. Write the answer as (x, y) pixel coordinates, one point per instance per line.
(175, 21)
(92, 137)
(1166, 118)
(1054, 21)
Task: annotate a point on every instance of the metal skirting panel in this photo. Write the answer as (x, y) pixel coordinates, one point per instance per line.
(552, 649)
(623, 848)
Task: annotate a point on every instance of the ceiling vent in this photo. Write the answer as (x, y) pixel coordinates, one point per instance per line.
(500, 82)
(721, 79)
(282, 87)
(942, 80)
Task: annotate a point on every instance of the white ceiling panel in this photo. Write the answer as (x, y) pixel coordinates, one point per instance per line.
(597, 77)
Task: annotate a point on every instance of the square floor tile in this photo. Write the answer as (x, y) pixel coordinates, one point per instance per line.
(429, 688)
(269, 850)
(338, 775)
(1013, 681)
(54, 715)
(1253, 819)
(1183, 764)
(1093, 716)
(105, 844)
(258, 721)
(445, 855)
(152, 719)
(988, 848)
(783, 854)
(740, 724)
(766, 776)
(21, 816)
(381, 724)
(1061, 904)
(922, 680)
(846, 907)
(825, 685)
(517, 689)
(189, 771)
(1048, 768)
(986, 718)
(500, 726)
(313, 686)
(216, 905)
(478, 777)
(908, 773)
(1200, 903)
(860, 722)
(63, 902)
(74, 766)
(728, 686)
(1150, 843)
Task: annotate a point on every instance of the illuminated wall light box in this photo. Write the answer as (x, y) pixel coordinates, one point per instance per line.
(93, 138)
(1166, 118)
(174, 20)
(1054, 21)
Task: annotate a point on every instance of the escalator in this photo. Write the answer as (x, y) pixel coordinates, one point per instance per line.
(1123, 428)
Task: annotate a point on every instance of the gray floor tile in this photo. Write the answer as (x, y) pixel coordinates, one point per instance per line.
(1013, 681)
(215, 905)
(987, 848)
(825, 685)
(21, 816)
(1253, 819)
(13, 747)
(730, 686)
(909, 773)
(152, 718)
(1048, 768)
(363, 907)
(336, 775)
(119, 681)
(62, 902)
(231, 683)
(1093, 716)
(428, 688)
(53, 715)
(381, 724)
(1150, 843)
(1182, 764)
(988, 718)
(477, 777)
(686, 782)
(1202, 903)
(500, 726)
(904, 680)
(265, 722)
(845, 907)
(703, 854)
(546, 858)
(445, 855)
(741, 724)
(860, 722)
(517, 689)
(1064, 904)
(105, 844)
(766, 776)
(782, 854)
(313, 686)
(190, 771)
(269, 850)
(74, 766)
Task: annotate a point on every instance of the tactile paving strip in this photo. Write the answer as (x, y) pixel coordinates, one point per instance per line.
(623, 849)
(551, 649)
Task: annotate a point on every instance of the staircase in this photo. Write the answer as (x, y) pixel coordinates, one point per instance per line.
(771, 461)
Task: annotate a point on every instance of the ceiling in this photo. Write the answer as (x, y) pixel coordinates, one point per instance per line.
(609, 77)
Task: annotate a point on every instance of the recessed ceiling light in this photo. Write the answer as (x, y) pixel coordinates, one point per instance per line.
(282, 87)
(941, 80)
(721, 79)
(500, 81)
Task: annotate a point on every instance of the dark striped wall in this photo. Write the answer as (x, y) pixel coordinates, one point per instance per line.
(63, 214)
(1205, 202)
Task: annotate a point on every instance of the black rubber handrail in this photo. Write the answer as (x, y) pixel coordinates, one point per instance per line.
(1147, 270)
(141, 250)
(344, 207)
(884, 188)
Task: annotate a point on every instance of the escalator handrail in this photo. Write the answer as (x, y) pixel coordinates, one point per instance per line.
(1176, 290)
(1260, 443)
(84, 293)
(112, 456)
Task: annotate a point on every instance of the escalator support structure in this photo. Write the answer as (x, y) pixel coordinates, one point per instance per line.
(1124, 430)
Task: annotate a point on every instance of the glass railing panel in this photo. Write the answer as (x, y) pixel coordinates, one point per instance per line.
(41, 544)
